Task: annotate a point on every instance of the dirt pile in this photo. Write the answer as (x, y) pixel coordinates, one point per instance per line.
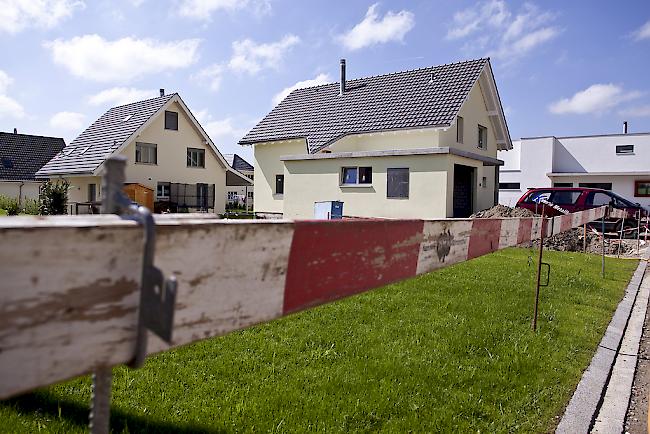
(502, 211)
(572, 241)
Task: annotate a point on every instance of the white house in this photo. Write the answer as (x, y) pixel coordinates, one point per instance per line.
(238, 192)
(617, 162)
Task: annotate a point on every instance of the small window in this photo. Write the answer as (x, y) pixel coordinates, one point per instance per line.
(459, 129)
(482, 137)
(250, 194)
(563, 184)
(127, 117)
(232, 195)
(162, 191)
(509, 186)
(601, 185)
(641, 188)
(146, 153)
(624, 149)
(279, 184)
(565, 197)
(356, 175)
(92, 192)
(7, 163)
(171, 120)
(195, 157)
(397, 181)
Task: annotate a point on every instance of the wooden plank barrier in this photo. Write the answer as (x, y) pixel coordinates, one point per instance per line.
(69, 284)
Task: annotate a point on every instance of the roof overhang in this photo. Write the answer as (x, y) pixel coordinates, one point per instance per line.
(494, 109)
(576, 174)
(236, 178)
(487, 161)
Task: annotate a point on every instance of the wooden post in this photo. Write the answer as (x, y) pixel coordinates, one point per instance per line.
(584, 238)
(539, 269)
(620, 239)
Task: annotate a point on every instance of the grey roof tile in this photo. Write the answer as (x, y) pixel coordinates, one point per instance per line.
(89, 150)
(408, 99)
(238, 163)
(24, 154)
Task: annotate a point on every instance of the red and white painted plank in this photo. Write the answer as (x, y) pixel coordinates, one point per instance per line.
(69, 287)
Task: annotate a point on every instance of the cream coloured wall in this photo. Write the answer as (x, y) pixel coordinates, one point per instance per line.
(20, 190)
(267, 164)
(78, 191)
(312, 181)
(473, 113)
(401, 139)
(172, 157)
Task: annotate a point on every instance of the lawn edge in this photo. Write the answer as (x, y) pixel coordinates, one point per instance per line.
(580, 414)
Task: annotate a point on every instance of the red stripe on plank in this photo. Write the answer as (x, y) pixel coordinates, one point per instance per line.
(566, 222)
(484, 237)
(332, 260)
(525, 230)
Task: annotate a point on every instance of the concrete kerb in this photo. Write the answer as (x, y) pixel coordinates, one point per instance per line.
(580, 414)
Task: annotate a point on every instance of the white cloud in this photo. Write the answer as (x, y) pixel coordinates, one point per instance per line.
(210, 75)
(491, 27)
(642, 32)
(203, 9)
(121, 95)
(68, 121)
(320, 79)
(9, 107)
(597, 98)
(375, 30)
(636, 112)
(250, 57)
(94, 58)
(17, 15)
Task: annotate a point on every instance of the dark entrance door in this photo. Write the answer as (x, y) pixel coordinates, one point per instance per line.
(463, 190)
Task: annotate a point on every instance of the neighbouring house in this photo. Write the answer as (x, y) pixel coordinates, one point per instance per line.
(617, 162)
(238, 192)
(21, 156)
(169, 154)
(413, 144)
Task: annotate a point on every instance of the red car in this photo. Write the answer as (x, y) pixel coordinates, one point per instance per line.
(564, 200)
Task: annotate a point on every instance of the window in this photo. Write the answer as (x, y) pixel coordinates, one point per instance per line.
(598, 199)
(459, 129)
(397, 183)
(563, 184)
(482, 137)
(146, 153)
(162, 191)
(565, 197)
(484, 182)
(171, 120)
(279, 184)
(624, 149)
(356, 175)
(92, 192)
(195, 157)
(537, 196)
(601, 185)
(641, 188)
(232, 195)
(509, 186)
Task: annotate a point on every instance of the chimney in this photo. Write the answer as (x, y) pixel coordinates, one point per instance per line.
(15, 130)
(624, 127)
(342, 76)
(162, 92)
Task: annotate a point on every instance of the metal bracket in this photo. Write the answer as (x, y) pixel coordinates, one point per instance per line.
(157, 294)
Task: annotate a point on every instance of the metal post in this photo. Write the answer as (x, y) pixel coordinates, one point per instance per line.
(539, 268)
(112, 183)
(584, 238)
(620, 239)
(638, 234)
(602, 229)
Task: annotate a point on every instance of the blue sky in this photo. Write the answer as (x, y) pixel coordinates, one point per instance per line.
(562, 67)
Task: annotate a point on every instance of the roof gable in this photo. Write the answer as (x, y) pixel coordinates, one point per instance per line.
(22, 155)
(238, 163)
(421, 98)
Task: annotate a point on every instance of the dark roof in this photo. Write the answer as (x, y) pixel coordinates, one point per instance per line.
(85, 153)
(238, 163)
(21, 155)
(420, 98)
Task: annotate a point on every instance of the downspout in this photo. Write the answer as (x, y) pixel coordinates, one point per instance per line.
(20, 192)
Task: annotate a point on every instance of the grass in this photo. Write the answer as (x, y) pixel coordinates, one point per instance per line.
(447, 351)
(3, 211)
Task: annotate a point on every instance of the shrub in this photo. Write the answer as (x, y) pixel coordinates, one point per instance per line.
(12, 207)
(31, 206)
(5, 201)
(53, 197)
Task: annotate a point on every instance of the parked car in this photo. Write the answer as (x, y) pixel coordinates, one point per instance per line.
(564, 200)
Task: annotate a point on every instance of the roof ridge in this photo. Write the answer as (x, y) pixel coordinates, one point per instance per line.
(143, 100)
(32, 135)
(396, 72)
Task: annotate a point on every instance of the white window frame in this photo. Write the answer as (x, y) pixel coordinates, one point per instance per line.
(193, 159)
(146, 152)
(481, 143)
(165, 186)
(357, 183)
(408, 183)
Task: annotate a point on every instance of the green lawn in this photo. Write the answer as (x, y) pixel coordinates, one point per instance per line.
(448, 351)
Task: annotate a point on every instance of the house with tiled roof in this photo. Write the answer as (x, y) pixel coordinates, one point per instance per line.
(171, 161)
(415, 144)
(237, 194)
(21, 156)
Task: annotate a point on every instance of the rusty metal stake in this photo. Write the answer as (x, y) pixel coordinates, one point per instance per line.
(539, 268)
(584, 238)
(602, 229)
(638, 234)
(620, 239)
